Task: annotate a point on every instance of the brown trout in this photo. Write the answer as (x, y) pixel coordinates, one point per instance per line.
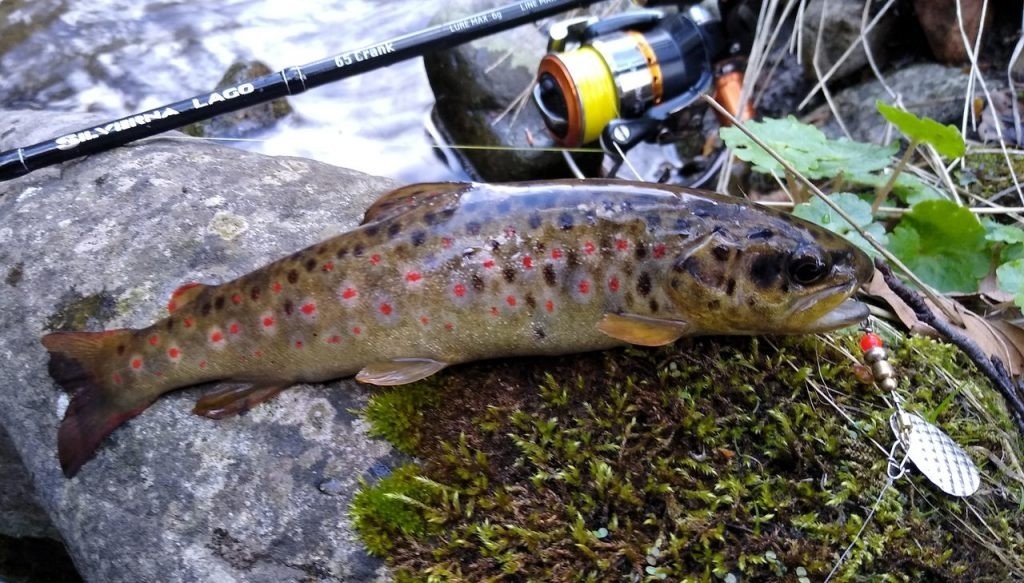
(439, 274)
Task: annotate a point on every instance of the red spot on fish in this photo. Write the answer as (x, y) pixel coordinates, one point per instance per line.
(258, 354)
(174, 353)
(494, 310)
(136, 363)
(489, 263)
(187, 322)
(449, 326)
(276, 287)
(589, 248)
(413, 276)
(459, 290)
(349, 293)
(659, 250)
(173, 304)
(613, 284)
(375, 259)
(357, 330)
(298, 344)
(154, 340)
(584, 287)
(621, 244)
(328, 266)
(268, 321)
(556, 253)
(549, 306)
(527, 262)
(202, 364)
(386, 309)
(424, 320)
(236, 299)
(335, 339)
(216, 336)
(308, 309)
(447, 241)
(117, 378)
(234, 328)
(511, 300)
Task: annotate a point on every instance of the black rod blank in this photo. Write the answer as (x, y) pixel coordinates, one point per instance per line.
(290, 81)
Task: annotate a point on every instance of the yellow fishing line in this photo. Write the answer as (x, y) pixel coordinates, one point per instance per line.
(599, 101)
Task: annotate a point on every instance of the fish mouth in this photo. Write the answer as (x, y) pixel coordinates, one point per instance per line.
(847, 313)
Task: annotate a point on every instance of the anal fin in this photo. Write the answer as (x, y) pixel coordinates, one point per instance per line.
(235, 399)
(399, 371)
(642, 330)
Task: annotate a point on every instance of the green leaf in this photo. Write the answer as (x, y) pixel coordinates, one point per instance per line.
(944, 244)
(807, 150)
(1000, 233)
(946, 140)
(818, 212)
(1010, 277)
(1011, 253)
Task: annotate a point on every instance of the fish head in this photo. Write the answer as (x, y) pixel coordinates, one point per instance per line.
(769, 273)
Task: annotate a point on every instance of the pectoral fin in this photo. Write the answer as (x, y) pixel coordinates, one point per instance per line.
(235, 400)
(399, 371)
(642, 330)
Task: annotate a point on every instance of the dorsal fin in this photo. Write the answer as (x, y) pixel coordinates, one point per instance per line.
(185, 293)
(403, 199)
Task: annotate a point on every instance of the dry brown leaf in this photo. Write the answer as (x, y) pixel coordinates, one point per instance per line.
(995, 337)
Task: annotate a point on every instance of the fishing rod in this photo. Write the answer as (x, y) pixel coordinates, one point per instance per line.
(289, 81)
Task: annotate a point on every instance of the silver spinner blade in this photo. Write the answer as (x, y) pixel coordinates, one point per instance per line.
(935, 454)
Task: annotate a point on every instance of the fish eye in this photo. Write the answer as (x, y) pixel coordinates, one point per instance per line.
(807, 269)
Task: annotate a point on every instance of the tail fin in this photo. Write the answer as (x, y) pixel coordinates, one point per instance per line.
(78, 362)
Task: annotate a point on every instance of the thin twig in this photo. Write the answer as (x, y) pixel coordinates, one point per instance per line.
(991, 367)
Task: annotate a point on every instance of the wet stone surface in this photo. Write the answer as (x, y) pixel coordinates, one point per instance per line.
(100, 243)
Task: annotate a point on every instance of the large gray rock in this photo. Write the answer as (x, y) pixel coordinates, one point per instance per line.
(20, 513)
(100, 243)
(841, 28)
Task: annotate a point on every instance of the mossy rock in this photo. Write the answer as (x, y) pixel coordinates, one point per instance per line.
(714, 459)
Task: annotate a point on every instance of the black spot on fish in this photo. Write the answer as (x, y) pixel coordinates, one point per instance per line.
(643, 284)
(342, 252)
(760, 234)
(218, 303)
(653, 304)
(720, 252)
(478, 282)
(372, 230)
(394, 229)
(431, 219)
(170, 324)
(572, 258)
(293, 276)
(683, 226)
(447, 213)
(418, 238)
(674, 282)
(730, 286)
(714, 305)
(321, 250)
(288, 307)
(531, 302)
(205, 310)
(540, 246)
(310, 264)
(254, 293)
(509, 273)
(841, 257)
(605, 245)
(550, 277)
(689, 265)
(641, 250)
(473, 227)
(358, 250)
(704, 209)
(495, 245)
(539, 333)
(565, 221)
(653, 221)
(120, 350)
(765, 270)
(536, 221)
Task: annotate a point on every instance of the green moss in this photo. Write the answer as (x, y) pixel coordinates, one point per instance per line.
(390, 507)
(745, 456)
(75, 311)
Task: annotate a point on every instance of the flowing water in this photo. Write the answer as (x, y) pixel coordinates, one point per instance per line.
(123, 56)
